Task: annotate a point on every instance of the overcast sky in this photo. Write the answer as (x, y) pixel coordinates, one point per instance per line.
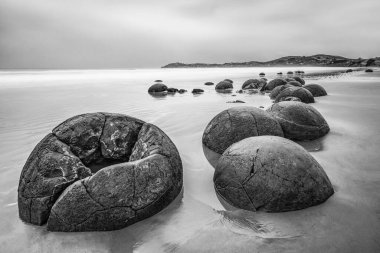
(152, 33)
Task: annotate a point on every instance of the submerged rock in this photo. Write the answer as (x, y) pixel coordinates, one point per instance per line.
(298, 92)
(157, 87)
(141, 174)
(209, 83)
(237, 123)
(348, 70)
(180, 91)
(368, 70)
(273, 84)
(299, 121)
(316, 89)
(224, 85)
(236, 101)
(172, 90)
(270, 173)
(197, 91)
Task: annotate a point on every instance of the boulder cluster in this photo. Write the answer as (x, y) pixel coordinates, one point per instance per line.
(99, 171)
(293, 89)
(260, 167)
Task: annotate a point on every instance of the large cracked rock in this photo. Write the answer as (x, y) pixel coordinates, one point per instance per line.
(270, 173)
(299, 121)
(237, 123)
(274, 93)
(99, 171)
(223, 86)
(298, 92)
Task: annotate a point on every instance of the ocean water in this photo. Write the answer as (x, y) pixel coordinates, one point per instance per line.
(33, 102)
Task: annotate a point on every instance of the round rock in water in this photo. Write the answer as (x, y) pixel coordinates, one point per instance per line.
(157, 87)
(99, 171)
(316, 89)
(299, 121)
(237, 123)
(298, 92)
(273, 84)
(224, 85)
(272, 174)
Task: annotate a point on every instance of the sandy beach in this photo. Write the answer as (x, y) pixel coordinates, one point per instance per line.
(33, 102)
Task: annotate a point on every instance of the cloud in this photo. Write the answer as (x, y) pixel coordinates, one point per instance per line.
(147, 33)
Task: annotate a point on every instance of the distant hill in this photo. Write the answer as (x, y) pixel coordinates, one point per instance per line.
(319, 60)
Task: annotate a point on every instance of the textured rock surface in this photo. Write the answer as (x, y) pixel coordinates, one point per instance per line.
(290, 99)
(50, 168)
(157, 87)
(298, 92)
(274, 93)
(299, 121)
(299, 79)
(142, 174)
(271, 174)
(273, 84)
(295, 83)
(237, 123)
(253, 84)
(223, 85)
(316, 89)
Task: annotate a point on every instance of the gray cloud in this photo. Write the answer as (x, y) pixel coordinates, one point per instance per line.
(148, 33)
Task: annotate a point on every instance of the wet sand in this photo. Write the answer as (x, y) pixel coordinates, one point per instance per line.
(32, 104)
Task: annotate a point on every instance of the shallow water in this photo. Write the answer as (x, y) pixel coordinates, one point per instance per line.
(33, 102)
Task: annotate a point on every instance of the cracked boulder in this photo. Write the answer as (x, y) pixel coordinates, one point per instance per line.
(99, 171)
(237, 123)
(299, 121)
(272, 174)
(253, 84)
(316, 89)
(299, 92)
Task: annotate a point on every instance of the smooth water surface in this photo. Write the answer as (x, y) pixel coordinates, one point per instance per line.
(33, 102)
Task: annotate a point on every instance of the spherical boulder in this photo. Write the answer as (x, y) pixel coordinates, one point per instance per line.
(99, 171)
(298, 92)
(229, 80)
(224, 85)
(274, 93)
(316, 89)
(295, 83)
(272, 174)
(237, 123)
(288, 79)
(157, 88)
(273, 84)
(299, 121)
(299, 79)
